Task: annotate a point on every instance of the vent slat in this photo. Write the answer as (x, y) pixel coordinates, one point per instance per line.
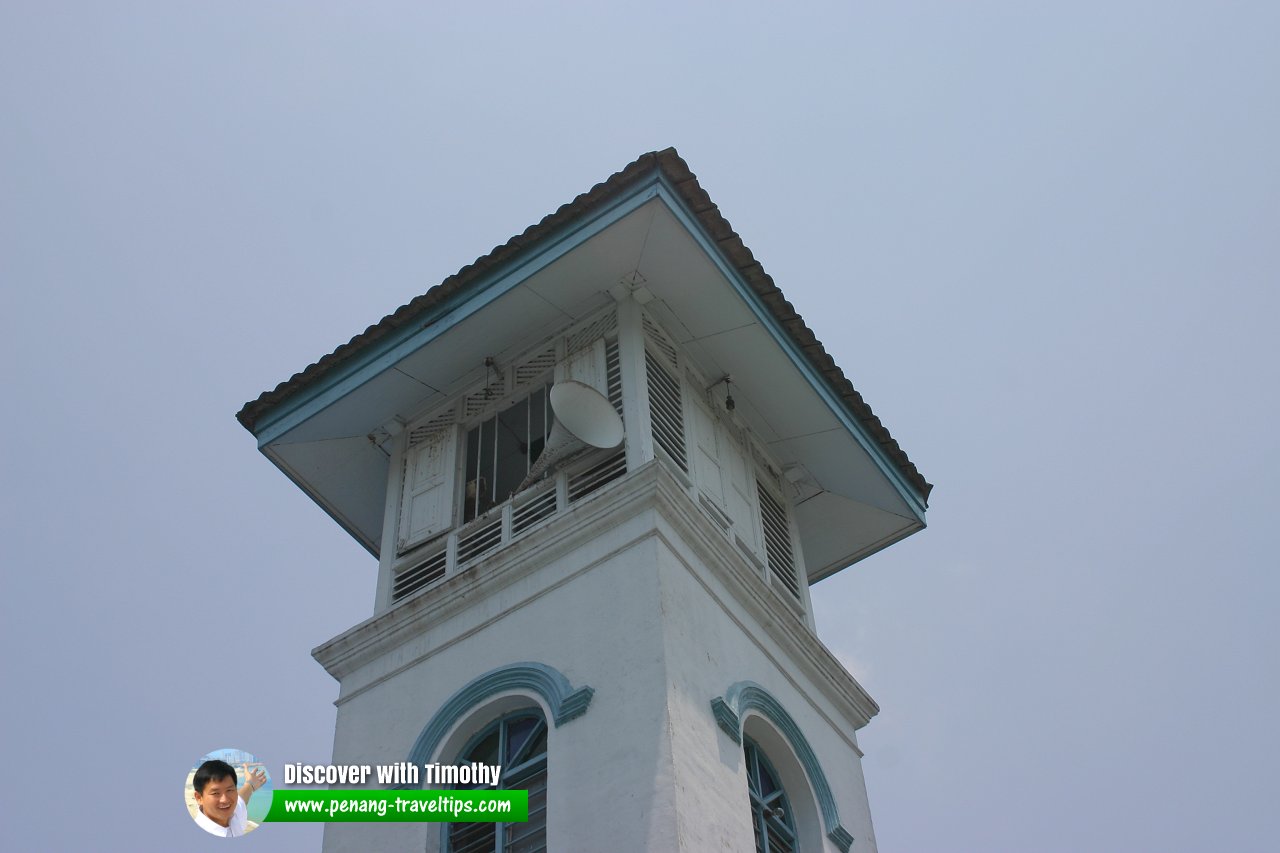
(432, 428)
(484, 538)
(482, 399)
(598, 329)
(671, 420)
(535, 368)
(424, 574)
(603, 472)
(659, 339)
(535, 510)
(777, 540)
(613, 373)
(665, 413)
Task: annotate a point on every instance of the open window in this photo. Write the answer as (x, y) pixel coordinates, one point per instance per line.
(464, 461)
(502, 449)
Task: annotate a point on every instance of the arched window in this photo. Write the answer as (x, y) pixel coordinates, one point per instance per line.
(518, 742)
(770, 810)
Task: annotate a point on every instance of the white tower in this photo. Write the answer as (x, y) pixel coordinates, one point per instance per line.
(629, 631)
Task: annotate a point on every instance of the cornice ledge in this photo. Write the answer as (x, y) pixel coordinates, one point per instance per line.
(362, 643)
(722, 557)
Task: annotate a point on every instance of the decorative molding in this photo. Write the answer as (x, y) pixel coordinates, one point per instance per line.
(360, 657)
(744, 697)
(412, 617)
(841, 837)
(727, 719)
(697, 543)
(563, 701)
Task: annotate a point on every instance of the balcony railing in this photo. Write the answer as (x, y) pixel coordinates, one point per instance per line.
(463, 547)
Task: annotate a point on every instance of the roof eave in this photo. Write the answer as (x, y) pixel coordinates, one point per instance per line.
(668, 169)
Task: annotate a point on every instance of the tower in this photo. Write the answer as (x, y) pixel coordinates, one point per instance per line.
(625, 626)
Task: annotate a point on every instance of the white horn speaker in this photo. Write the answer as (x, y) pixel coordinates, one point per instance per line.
(584, 419)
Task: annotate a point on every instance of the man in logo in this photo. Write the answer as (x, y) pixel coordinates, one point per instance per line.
(221, 808)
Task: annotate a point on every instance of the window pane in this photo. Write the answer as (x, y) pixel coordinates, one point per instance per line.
(539, 745)
(767, 783)
(522, 736)
(779, 843)
(512, 449)
(531, 835)
(770, 810)
(472, 837)
(472, 474)
(486, 751)
(539, 423)
(488, 430)
(517, 733)
(500, 451)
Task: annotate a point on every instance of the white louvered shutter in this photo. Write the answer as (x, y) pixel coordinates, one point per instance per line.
(777, 539)
(666, 415)
(426, 506)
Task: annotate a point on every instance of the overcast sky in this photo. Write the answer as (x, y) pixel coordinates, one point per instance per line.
(1043, 240)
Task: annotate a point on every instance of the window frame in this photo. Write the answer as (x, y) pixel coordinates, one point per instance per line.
(464, 412)
(446, 539)
(524, 394)
(514, 777)
(706, 422)
(763, 806)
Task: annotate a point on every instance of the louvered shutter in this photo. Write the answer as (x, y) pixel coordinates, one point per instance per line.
(666, 415)
(777, 540)
(426, 506)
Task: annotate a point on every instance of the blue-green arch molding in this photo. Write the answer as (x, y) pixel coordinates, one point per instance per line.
(561, 698)
(744, 697)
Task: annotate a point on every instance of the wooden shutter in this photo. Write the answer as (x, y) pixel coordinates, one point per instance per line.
(666, 415)
(426, 505)
(706, 457)
(777, 539)
(739, 488)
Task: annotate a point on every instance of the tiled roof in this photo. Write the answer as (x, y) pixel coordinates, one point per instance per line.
(717, 228)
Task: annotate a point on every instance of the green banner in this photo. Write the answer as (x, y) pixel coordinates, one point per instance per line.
(485, 806)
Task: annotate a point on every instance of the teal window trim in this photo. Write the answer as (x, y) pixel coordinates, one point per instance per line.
(564, 701)
(745, 697)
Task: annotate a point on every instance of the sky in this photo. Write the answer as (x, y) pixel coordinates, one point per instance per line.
(1040, 239)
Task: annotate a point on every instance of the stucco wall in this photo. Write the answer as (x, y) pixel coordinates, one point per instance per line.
(619, 598)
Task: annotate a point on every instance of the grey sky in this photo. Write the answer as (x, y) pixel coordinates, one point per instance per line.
(1040, 239)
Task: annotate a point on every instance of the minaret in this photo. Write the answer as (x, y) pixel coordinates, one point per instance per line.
(600, 468)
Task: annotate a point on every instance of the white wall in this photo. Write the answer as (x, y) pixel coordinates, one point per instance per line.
(614, 596)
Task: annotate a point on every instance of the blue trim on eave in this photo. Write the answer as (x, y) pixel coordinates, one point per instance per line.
(382, 355)
(670, 196)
